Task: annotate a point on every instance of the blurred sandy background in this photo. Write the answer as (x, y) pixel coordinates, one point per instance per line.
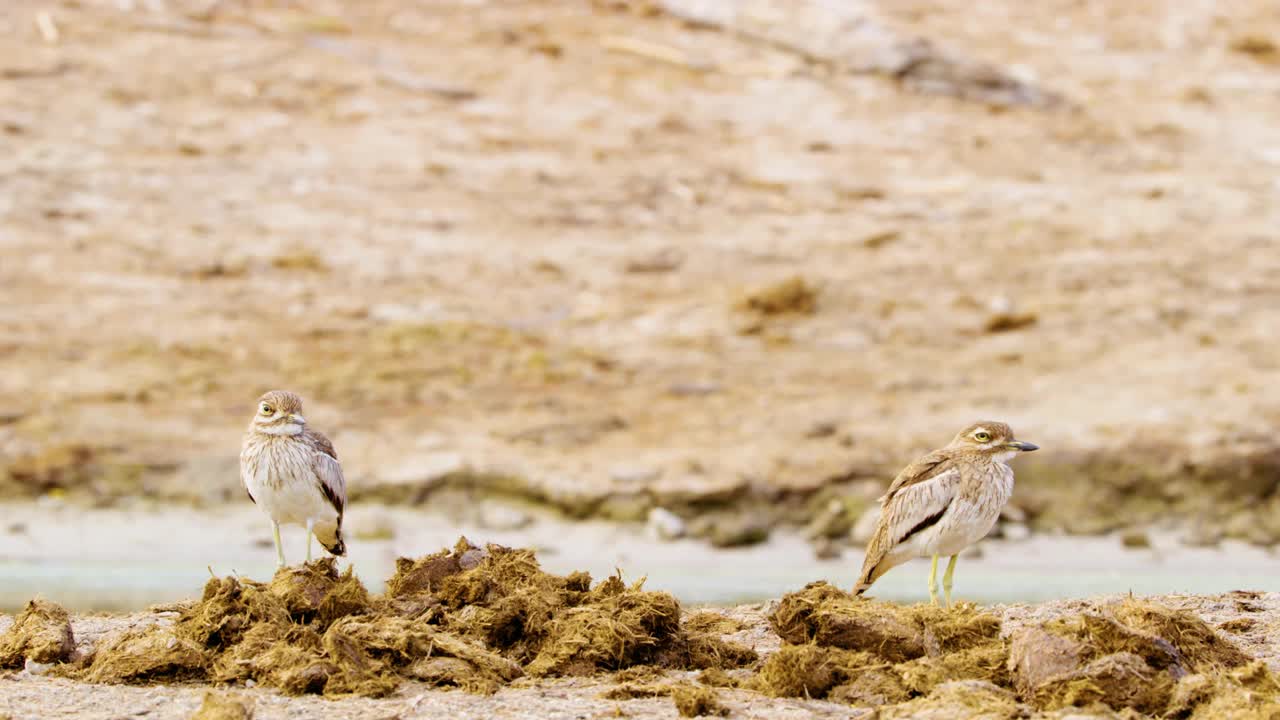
(718, 268)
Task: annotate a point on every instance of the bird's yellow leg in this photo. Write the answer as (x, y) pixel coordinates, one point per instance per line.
(933, 581)
(946, 578)
(275, 526)
(311, 530)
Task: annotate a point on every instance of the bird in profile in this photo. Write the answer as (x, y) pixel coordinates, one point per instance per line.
(943, 503)
(292, 473)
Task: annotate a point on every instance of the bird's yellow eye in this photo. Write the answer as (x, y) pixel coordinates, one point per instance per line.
(982, 436)
(266, 409)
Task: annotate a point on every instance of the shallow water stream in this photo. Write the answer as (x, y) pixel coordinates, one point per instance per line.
(122, 560)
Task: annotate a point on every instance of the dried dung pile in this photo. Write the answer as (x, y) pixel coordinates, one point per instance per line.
(919, 661)
(870, 653)
(1133, 654)
(223, 707)
(41, 633)
(694, 701)
(479, 618)
(473, 618)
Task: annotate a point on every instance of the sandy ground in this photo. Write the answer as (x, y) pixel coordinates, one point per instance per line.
(567, 700)
(510, 243)
(23, 696)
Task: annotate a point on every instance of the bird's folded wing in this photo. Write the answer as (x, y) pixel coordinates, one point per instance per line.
(329, 476)
(915, 506)
(245, 464)
(923, 469)
(917, 499)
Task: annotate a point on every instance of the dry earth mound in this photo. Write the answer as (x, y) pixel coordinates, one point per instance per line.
(1129, 656)
(474, 618)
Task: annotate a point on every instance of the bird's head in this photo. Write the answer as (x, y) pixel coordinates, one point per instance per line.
(279, 412)
(992, 439)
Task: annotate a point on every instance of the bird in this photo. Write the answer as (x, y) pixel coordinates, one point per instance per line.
(292, 473)
(942, 503)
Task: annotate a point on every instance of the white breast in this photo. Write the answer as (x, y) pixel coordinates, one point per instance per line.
(278, 474)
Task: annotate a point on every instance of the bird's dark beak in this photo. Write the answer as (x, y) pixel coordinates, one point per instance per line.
(1023, 446)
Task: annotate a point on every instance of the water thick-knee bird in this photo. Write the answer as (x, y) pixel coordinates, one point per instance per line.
(944, 502)
(292, 473)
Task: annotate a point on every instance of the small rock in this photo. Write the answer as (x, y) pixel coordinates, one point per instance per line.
(1016, 532)
(826, 549)
(822, 429)
(495, 516)
(1135, 539)
(739, 531)
(832, 522)
(471, 558)
(18, 528)
(665, 525)
(31, 667)
(791, 296)
(625, 507)
(1002, 316)
(702, 526)
(999, 305)
(1259, 46)
(880, 239)
(302, 260)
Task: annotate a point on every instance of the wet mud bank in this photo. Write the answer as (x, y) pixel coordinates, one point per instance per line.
(1231, 493)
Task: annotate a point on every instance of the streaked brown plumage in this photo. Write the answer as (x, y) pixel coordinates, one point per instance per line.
(943, 502)
(292, 473)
